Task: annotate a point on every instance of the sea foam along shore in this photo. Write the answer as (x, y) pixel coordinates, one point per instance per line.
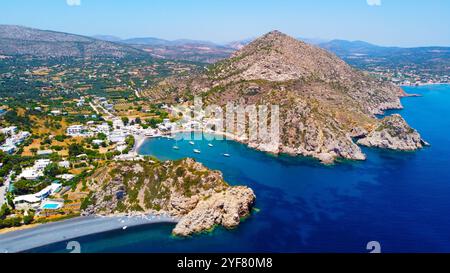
(46, 234)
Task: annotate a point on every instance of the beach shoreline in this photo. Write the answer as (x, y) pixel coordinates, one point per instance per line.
(51, 233)
(140, 139)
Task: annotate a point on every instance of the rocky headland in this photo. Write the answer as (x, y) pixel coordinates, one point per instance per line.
(184, 189)
(325, 104)
(394, 133)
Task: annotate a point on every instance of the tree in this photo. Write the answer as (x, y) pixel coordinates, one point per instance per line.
(60, 138)
(4, 211)
(34, 151)
(125, 120)
(10, 199)
(102, 136)
(75, 149)
(153, 122)
(53, 170)
(28, 219)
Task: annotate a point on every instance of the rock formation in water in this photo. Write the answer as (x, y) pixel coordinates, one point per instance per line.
(183, 189)
(324, 103)
(225, 208)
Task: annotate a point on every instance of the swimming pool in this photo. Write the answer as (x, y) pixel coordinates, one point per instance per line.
(51, 205)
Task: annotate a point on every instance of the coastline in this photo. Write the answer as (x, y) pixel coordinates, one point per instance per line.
(47, 234)
(426, 84)
(140, 139)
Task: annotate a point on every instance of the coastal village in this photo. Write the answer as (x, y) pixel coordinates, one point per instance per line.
(52, 143)
(44, 170)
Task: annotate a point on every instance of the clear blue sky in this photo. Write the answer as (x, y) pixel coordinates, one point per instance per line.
(394, 22)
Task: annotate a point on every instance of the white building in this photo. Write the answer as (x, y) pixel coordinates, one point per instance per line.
(103, 128)
(55, 112)
(9, 130)
(8, 148)
(121, 148)
(64, 164)
(41, 164)
(45, 152)
(97, 141)
(66, 177)
(117, 123)
(34, 200)
(31, 174)
(78, 131)
(117, 136)
(36, 171)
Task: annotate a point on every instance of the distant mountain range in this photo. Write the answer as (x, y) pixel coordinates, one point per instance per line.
(431, 60)
(24, 41)
(17, 40)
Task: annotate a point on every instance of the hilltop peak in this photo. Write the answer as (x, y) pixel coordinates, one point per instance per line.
(275, 37)
(280, 57)
(275, 33)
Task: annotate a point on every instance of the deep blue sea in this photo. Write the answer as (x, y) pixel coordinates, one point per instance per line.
(400, 199)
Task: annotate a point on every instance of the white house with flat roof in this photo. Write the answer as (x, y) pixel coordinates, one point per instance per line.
(75, 130)
(103, 128)
(118, 123)
(117, 136)
(8, 148)
(64, 164)
(45, 152)
(41, 164)
(36, 171)
(66, 177)
(31, 174)
(9, 130)
(34, 200)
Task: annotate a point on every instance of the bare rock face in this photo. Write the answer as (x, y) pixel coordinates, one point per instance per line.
(183, 189)
(394, 133)
(225, 209)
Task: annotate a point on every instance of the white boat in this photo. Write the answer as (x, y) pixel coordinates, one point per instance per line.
(210, 145)
(226, 155)
(176, 147)
(192, 142)
(197, 151)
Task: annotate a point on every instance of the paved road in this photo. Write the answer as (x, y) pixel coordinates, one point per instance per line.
(23, 240)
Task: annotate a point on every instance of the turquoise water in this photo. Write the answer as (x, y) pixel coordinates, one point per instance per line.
(401, 199)
(51, 206)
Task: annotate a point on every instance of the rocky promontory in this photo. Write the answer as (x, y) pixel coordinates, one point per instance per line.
(225, 209)
(394, 133)
(183, 189)
(324, 103)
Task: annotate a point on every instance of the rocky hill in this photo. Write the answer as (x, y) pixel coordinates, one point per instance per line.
(324, 103)
(183, 189)
(23, 41)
